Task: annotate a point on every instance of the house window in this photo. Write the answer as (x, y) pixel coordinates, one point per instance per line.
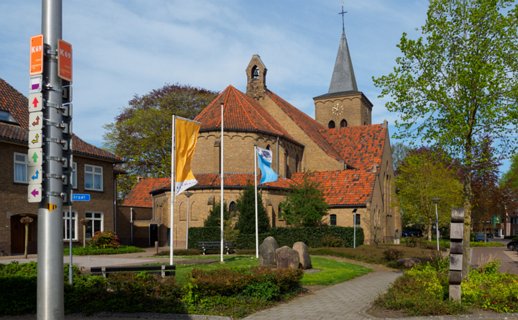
(93, 178)
(331, 124)
(343, 123)
(280, 214)
(95, 223)
(232, 207)
(332, 220)
(357, 218)
(74, 175)
(67, 231)
(20, 167)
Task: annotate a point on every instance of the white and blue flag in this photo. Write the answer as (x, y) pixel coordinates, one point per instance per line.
(264, 158)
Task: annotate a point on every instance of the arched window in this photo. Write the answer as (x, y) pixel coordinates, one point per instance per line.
(297, 163)
(332, 220)
(331, 124)
(255, 72)
(268, 147)
(343, 123)
(232, 207)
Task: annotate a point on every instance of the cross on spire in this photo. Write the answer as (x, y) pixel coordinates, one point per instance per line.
(343, 22)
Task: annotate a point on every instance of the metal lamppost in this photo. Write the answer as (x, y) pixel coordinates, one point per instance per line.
(188, 194)
(436, 200)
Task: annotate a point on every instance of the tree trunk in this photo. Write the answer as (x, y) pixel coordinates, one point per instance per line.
(26, 240)
(429, 230)
(468, 194)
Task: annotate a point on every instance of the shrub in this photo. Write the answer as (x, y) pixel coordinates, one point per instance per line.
(392, 254)
(332, 241)
(105, 239)
(203, 234)
(487, 288)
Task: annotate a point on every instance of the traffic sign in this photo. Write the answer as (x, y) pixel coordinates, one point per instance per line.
(35, 102)
(36, 60)
(81, 197)
(65, 60)
(34, 193)
(35, 121)
(34, 174)
(52, 206)
(36, 84)
(35, 158)
(35, 138)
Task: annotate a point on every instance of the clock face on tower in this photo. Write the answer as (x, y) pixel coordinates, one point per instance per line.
(337, 109)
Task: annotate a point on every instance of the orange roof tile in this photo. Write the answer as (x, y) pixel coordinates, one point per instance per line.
(140, 195)
(241, 113)
(343, 188)
(16, 104)
(310, 126)
(361, 147)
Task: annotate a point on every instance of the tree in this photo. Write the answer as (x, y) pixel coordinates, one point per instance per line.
(246, 208)
(214, 217)
(509, 187)
(399, 152)
(305, 204)
(141, 133)
(459, 84)
(423, 176)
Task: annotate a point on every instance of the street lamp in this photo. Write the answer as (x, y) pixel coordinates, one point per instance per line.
(188, 194)
(436, 200)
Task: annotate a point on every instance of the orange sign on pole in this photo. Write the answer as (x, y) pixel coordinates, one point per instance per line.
(36, 60)
(65, 60)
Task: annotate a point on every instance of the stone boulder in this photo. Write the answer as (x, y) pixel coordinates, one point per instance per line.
(287, 258)
(302, 250)
(267, 252)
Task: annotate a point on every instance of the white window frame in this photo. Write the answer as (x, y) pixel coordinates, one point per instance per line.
(74, 175)
(90, 170)
(66, 215)
(23, 163)
(90, 216)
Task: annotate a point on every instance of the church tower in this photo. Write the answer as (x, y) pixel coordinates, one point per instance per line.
(256, 78)
(343, 105)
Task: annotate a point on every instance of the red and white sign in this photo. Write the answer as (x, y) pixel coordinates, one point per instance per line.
(36, 55)
(65, 60)
(35, 102)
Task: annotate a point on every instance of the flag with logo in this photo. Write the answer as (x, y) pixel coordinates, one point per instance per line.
(264, 159)
(186, 134)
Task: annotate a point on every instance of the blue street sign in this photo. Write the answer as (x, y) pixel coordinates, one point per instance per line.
(80, 197)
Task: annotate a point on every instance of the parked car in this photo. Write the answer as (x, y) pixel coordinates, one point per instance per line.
(513, 245)
(479, 236)
(412, 233)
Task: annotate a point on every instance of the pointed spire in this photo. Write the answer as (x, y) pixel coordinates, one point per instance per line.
(343, 74)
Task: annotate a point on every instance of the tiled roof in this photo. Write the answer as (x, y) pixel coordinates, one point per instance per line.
(310, 126)
(16, 104)
(241, 113)
(140, 195)
(343, 188)
(360, 147)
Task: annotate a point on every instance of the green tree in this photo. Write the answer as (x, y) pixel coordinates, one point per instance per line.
(141, 133)
(305, 204)
(399, 152)
(423, 176)
(509, 187)
(214, 217)
(246, 208)
(459, 84)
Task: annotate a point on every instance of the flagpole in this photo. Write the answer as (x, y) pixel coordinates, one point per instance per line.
(256, 219)
(221, 204)
(173, 191)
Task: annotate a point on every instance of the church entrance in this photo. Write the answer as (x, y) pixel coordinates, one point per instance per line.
(18, 234)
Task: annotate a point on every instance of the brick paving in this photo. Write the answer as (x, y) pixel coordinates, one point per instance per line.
(347, 300)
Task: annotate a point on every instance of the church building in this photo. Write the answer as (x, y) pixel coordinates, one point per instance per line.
(340, 149)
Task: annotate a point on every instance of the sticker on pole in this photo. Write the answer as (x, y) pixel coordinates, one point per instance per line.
(36, 55)
(35, 139)
(35, 121)
(35, 102)
(35, 174)
(65, 60)
(36, 84)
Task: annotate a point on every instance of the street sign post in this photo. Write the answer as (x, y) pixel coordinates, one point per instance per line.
(80, 197)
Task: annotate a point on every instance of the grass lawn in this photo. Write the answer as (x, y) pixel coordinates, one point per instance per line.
(329, 271)
(332, 272)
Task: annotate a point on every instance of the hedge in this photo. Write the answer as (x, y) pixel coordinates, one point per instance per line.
(325, 236)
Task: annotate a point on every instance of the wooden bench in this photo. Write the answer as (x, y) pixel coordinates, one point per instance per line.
(215, 246)
(164, 270)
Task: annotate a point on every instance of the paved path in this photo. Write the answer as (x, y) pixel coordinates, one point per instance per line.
(508, 259)
(347, 300)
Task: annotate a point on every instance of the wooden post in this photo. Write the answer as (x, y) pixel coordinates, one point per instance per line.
(84, 222)
(456, 253)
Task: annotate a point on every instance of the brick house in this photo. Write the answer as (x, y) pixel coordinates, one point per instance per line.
(94, 174)
(350, 157)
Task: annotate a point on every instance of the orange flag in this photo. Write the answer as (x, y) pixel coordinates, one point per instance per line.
(186, 138)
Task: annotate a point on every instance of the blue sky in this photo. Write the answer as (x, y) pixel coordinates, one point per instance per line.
(124, 48)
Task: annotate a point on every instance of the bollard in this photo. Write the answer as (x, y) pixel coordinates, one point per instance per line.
(156, 247)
